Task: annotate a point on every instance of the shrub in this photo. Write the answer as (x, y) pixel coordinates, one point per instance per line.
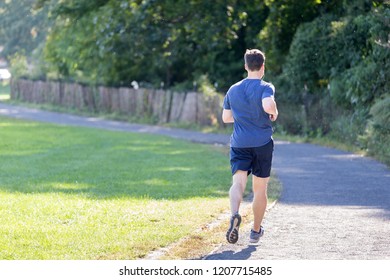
(18, 66)
(378, 132)
(350, 128)
(290, 119)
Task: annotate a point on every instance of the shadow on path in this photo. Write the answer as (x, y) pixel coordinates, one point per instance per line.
(330, 203)
(320, 176)
(244, 254)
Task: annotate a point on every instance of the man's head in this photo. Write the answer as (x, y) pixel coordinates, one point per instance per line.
(254, 60)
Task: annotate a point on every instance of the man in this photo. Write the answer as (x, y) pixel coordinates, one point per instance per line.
(250, 106)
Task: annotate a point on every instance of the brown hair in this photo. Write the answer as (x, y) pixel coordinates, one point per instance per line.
(254, 59)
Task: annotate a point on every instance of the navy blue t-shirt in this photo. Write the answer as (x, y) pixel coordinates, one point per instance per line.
(252, 126)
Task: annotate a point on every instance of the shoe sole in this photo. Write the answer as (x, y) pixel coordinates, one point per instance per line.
(254, 240)
(232, 233)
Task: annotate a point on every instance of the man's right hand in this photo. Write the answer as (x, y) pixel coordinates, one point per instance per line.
(273, 117)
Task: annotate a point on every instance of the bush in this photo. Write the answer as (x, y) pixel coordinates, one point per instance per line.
(378, 132)
(19, 66)
(350, 128)
(290, 119)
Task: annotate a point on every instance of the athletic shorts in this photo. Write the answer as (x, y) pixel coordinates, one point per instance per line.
(257, 160)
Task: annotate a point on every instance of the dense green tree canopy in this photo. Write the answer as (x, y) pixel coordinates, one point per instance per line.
(329, 59)
(22, 28)
(346, 55)
(170, 42)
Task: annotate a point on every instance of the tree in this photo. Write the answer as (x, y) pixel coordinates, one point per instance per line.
(345, 58)
(22, 29)
(284, 19)
(170, 42)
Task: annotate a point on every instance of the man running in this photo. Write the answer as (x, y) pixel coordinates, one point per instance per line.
(250, 106)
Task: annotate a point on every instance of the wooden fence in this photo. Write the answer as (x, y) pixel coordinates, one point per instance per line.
(158, 106)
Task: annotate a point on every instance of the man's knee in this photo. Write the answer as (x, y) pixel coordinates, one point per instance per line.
(237, 187)
(259, 182)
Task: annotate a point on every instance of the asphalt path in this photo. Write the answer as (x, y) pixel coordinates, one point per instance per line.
(334, 205)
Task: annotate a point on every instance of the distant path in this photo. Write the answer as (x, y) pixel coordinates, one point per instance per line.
(334, 205)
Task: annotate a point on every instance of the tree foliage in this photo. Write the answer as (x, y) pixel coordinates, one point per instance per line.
(172, 43)
(169, 42)
(22, 29)
(284, 18)
(327, 58)
(346, 56)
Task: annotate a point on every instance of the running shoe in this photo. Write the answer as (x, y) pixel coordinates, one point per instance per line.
(255, 236)
(232, 233)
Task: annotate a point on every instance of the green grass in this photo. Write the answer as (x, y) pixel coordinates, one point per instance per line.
(76, 193)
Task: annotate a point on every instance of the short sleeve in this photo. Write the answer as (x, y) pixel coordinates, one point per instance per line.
(226, 102)
(269, 91)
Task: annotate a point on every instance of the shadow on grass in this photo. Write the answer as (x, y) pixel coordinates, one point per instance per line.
(99, 181)
(37, 158)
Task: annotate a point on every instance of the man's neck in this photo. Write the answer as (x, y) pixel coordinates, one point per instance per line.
(255, 75)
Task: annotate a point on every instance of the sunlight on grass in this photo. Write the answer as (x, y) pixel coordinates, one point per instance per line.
(60, 226)
(76, 193)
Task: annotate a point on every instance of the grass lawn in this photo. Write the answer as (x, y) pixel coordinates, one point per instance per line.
(78, 193)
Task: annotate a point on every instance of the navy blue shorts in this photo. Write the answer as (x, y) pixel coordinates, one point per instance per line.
(257, 160)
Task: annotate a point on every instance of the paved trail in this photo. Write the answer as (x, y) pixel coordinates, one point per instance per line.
(334, 205)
